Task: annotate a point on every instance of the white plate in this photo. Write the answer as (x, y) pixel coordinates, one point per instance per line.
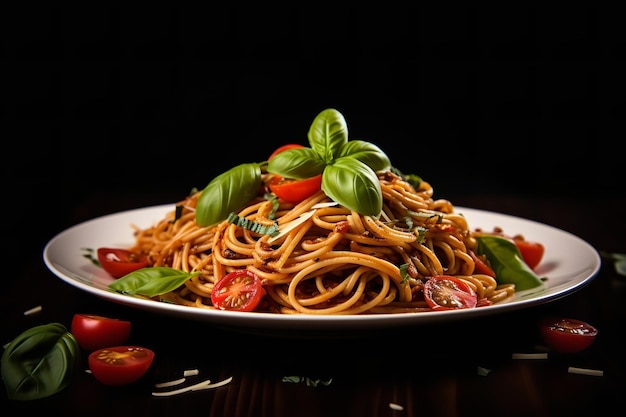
(569, 263)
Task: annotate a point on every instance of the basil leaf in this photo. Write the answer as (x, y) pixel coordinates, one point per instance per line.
(151, 281)
(40, 362)
(507, 262)
(366, 152)
(227, 192)
(354, 185)
(298, 164)
(327, 134)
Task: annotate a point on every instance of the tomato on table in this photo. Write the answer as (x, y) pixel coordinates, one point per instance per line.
(240, 290)
(119, 262)
(445, 292)
(567, 335)
(294, 191)
(120, 365)
(93, 332)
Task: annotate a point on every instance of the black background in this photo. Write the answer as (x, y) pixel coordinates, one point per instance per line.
(526, 102)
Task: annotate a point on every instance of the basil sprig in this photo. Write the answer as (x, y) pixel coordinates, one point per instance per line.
(348, 171)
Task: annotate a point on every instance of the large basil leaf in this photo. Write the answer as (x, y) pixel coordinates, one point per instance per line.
(228, 192)
(298, 163)
(151, 281)
(327, 134)
(354, 185)
(366, 152)
(40, 362)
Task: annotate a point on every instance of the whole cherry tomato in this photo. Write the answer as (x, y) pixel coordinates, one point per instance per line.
(567, 335)
(294, 191)
(284, 148)
(93, 332)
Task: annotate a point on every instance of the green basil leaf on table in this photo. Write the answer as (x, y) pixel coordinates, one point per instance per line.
(40, 362)
(228, 192)
(507, 262)
(151, 281)
(354, 185)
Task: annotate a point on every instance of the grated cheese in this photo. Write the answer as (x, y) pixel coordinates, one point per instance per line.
(190, 372)
(196, 387)
(170, 383)
(326, 204)
(292, 224)
(530, 356)
(584, 371)
(33, 310)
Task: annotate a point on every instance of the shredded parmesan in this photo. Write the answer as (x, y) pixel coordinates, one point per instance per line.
(530, 356)
(292, 224)
(583, 371)
(190, 372)
(196, 387)
(395, 406)
(325, 204)
(33, 311)
(170, 383)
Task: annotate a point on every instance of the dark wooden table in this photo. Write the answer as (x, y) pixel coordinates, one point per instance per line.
(449, 369)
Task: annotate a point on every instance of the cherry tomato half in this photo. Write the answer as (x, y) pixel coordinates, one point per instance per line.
(445, 292)
(294, 191)
(239, 290)
(567, 335)
(119, 262)
(284, 148)
(94, 332)
(120, 365)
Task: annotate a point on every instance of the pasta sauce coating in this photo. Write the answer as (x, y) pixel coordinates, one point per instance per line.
(327, 259)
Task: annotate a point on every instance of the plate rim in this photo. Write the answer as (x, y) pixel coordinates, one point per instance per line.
(243, 320)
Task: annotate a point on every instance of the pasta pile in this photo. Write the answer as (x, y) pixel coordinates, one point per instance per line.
(327, 259)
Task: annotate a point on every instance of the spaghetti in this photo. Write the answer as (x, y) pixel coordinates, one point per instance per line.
(326, 259)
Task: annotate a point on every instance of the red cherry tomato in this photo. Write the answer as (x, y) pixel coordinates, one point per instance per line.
(532, 252)
(445, 292)
(94, 332)
(294, 191)
(284, 148)
(240, 290)
(119, 262)
(567, 335)
(480, 267)
(120, 365)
